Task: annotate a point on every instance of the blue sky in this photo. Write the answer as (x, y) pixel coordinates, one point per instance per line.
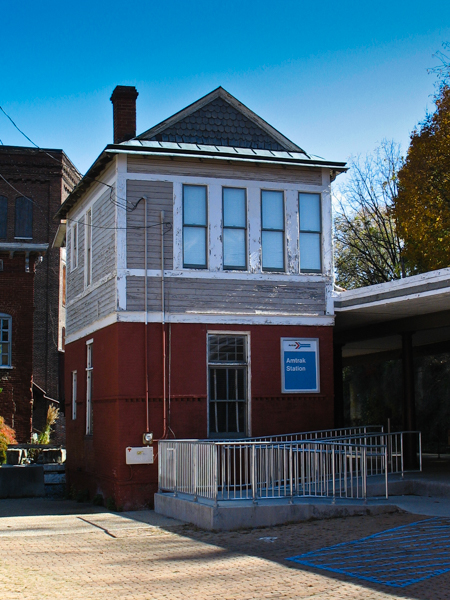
(336, 78)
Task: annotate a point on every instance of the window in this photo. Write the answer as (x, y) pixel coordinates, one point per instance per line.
(24, 218)
(3, 217)
(227, 373)
(272, 215)
(89, 370)
(5, 340)
(234, 228)
(194, 226)
(64, 282)
(88, 238)
(74, 247)
(74, 395)
(310, 233)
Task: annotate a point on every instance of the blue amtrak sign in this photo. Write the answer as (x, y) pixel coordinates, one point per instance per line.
(299, 365)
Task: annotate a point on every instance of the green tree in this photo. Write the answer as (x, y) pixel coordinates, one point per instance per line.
(422, 207)
(368, 249)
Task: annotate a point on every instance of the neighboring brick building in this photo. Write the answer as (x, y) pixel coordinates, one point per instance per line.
(30, 283)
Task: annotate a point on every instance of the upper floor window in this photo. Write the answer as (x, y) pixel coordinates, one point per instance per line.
(310, 233)
(5, 340)
(195, 228)
(24, 218)
(234, 228)
(272, 215)
(74, 248)
(3, 217)
(88, 238)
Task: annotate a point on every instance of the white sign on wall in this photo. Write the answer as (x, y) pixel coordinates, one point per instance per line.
(139, 456)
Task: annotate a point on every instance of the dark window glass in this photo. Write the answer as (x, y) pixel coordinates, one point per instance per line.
(24, 218)
(227, 358)
(3, 217)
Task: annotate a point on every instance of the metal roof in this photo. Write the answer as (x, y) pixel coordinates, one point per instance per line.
(184, 150)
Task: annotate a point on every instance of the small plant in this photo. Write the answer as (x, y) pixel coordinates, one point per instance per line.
(82, 496)
(52, 417)
(7, 436)
(97, 500)
(111, 504)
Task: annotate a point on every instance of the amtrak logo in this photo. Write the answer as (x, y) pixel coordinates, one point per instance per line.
(298, 345)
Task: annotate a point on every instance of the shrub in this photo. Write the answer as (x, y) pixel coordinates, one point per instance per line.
(7, 436)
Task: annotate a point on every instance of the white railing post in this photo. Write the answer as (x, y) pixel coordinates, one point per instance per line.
(253, 473)
(195, 461)
(420, 451)
(401, 450)
(333, 472)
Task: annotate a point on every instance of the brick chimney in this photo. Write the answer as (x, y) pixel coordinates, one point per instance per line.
(124, 112)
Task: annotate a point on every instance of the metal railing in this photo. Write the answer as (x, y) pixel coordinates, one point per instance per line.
(343, 432)
(260, 469)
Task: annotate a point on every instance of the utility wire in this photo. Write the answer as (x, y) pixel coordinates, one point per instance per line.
(117, 203)
(168, 224)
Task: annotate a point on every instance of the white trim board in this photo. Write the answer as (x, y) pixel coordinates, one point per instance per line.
(213, 319)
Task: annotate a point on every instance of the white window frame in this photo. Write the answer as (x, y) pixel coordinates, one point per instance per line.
(8, 318)
(88, 248)
(318, 232)
(89, 370)
(269, 229)
(74, 395)
(247, 336)
(74, 247)
(244, 229)
(205, 227)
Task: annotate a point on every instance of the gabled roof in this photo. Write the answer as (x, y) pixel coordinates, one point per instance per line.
(217, 127)
(219, 119)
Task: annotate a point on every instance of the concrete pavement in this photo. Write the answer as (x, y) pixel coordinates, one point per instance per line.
(70, 551)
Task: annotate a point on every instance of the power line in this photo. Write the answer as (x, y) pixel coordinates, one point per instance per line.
(125, 207)
(168, 224)
(27, 197)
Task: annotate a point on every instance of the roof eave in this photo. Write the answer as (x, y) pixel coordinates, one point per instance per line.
(117, 149)
(88, 179)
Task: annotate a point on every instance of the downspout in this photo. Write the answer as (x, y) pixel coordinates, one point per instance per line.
(163, 326)
(146, 314)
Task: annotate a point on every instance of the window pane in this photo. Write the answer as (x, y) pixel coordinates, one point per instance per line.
(194, 246)
(310, 212)
(226, 349)
(272, 250)
(232, 417)
(24, 218)
(272, 210)
(3, 216)
(194, 205)
(234, 208)
(310, 252)
(234, 254)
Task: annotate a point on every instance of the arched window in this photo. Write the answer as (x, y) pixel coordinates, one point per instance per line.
(24, 218)
(5, 340)
(3, 217)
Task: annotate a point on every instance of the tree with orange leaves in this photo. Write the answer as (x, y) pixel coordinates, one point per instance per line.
(422, 207)
(7, 436)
